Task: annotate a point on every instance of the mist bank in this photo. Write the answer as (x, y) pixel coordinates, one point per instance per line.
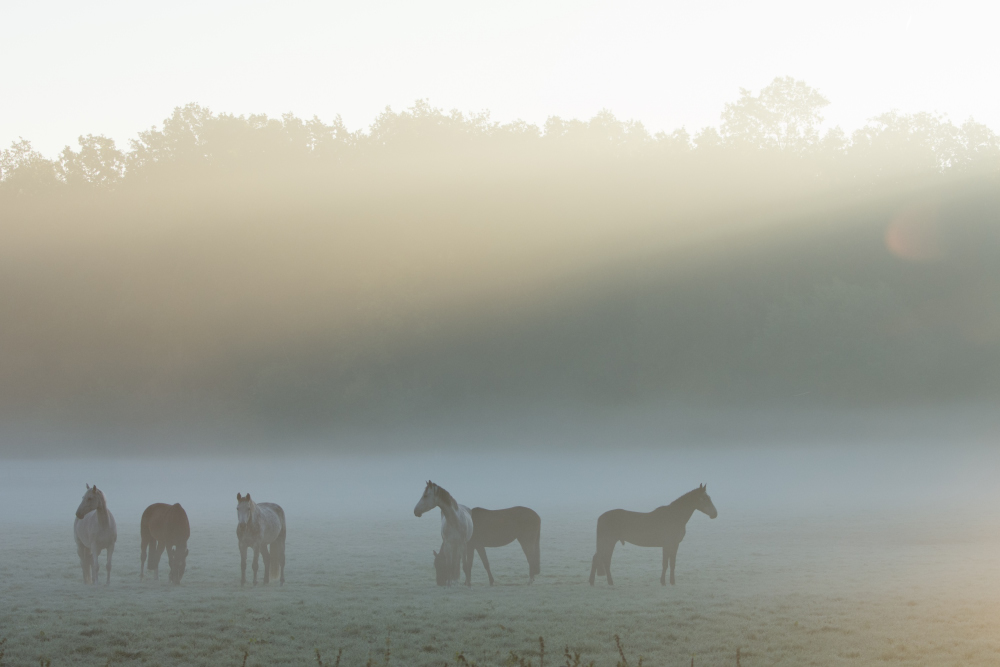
(435, 279)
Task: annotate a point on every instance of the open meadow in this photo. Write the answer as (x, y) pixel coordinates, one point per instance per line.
(813, 584)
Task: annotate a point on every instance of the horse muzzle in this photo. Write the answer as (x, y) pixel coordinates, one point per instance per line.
(417, 513)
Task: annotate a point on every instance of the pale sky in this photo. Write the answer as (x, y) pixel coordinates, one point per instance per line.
(115, 68)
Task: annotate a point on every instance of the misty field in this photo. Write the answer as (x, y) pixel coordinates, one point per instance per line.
(814, 584)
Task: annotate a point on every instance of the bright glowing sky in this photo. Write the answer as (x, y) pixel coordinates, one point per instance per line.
(117, 67)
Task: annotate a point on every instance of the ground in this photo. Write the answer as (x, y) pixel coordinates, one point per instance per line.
(851, 588)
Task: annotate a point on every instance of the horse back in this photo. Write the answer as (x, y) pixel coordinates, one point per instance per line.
(165, 523)
(275, 523)
(644, 529)
(497, 528)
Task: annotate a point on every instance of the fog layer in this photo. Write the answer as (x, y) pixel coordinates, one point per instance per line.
(245, 279)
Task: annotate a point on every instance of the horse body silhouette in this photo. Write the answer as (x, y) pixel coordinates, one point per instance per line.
(498, 528)
(166, 527)
(663, 527)
(456, 531)
(95, 531)
(261, 528)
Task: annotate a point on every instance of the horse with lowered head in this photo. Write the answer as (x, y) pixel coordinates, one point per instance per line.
(663, 527)
(164, 527)
(95, 531)
(498, 528)
(262, 528)
(456, 531)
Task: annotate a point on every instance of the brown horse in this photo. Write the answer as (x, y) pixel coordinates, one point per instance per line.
(498, 528)
(162, 527)
(663, 527)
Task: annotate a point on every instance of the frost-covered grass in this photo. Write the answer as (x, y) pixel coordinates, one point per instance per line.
(864, 589)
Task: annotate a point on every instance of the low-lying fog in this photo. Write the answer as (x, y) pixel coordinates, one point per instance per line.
(779, 480)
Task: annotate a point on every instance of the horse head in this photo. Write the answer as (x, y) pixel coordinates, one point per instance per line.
(428, 501)
(177, 558)
(244, 512)
(92, 500)
(705, 503)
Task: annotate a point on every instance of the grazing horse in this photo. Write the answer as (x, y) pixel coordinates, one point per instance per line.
(162, 527)
(456, 531)
(262, 528)
(498, 528)
(663, 527)
(95, 531)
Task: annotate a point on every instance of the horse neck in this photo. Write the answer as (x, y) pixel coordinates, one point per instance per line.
(686, 505)
(102, 511)
(449, 511)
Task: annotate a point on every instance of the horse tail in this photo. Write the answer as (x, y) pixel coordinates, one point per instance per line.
(281, 539)
(535, 567)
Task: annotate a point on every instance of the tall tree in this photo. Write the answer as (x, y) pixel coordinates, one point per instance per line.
(785, 115)
(24, 170)
(98, 163)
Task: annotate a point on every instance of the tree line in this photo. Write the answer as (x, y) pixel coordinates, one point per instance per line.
(784, 118)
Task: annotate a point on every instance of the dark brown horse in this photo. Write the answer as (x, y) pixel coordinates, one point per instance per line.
(162, 527)
(498, 528)
(663, 527)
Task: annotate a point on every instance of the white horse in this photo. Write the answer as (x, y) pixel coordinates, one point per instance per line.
(456, 531)
(95, 531)
(261, 528)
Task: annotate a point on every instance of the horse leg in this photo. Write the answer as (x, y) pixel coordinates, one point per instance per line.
(95, 568)
(84, 553)
(265, 553)
(142, 557)
(243, 565)
(111, 550)
(486, 562)
(157, 555)
(666, 562)
(467, 560)
(530, 548)
(607, 563)
(593, 568)
(256, 553)
(673, 562)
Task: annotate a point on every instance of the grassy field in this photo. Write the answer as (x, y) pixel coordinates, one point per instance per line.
(814, 588)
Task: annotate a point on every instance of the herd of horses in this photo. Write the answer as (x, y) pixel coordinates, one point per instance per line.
(464, 532)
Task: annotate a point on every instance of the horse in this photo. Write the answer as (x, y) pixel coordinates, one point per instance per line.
(262, 528)
(94, 530)
(456, 531)
(498, 528)
(663, 527)
(162, 527)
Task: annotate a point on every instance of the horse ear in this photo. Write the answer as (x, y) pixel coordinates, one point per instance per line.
(88, 486)
(435, 553)
(238, 496)
(248, 496)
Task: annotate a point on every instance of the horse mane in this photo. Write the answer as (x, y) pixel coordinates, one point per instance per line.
(102, 507)
(442, 493)
(688, 496)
